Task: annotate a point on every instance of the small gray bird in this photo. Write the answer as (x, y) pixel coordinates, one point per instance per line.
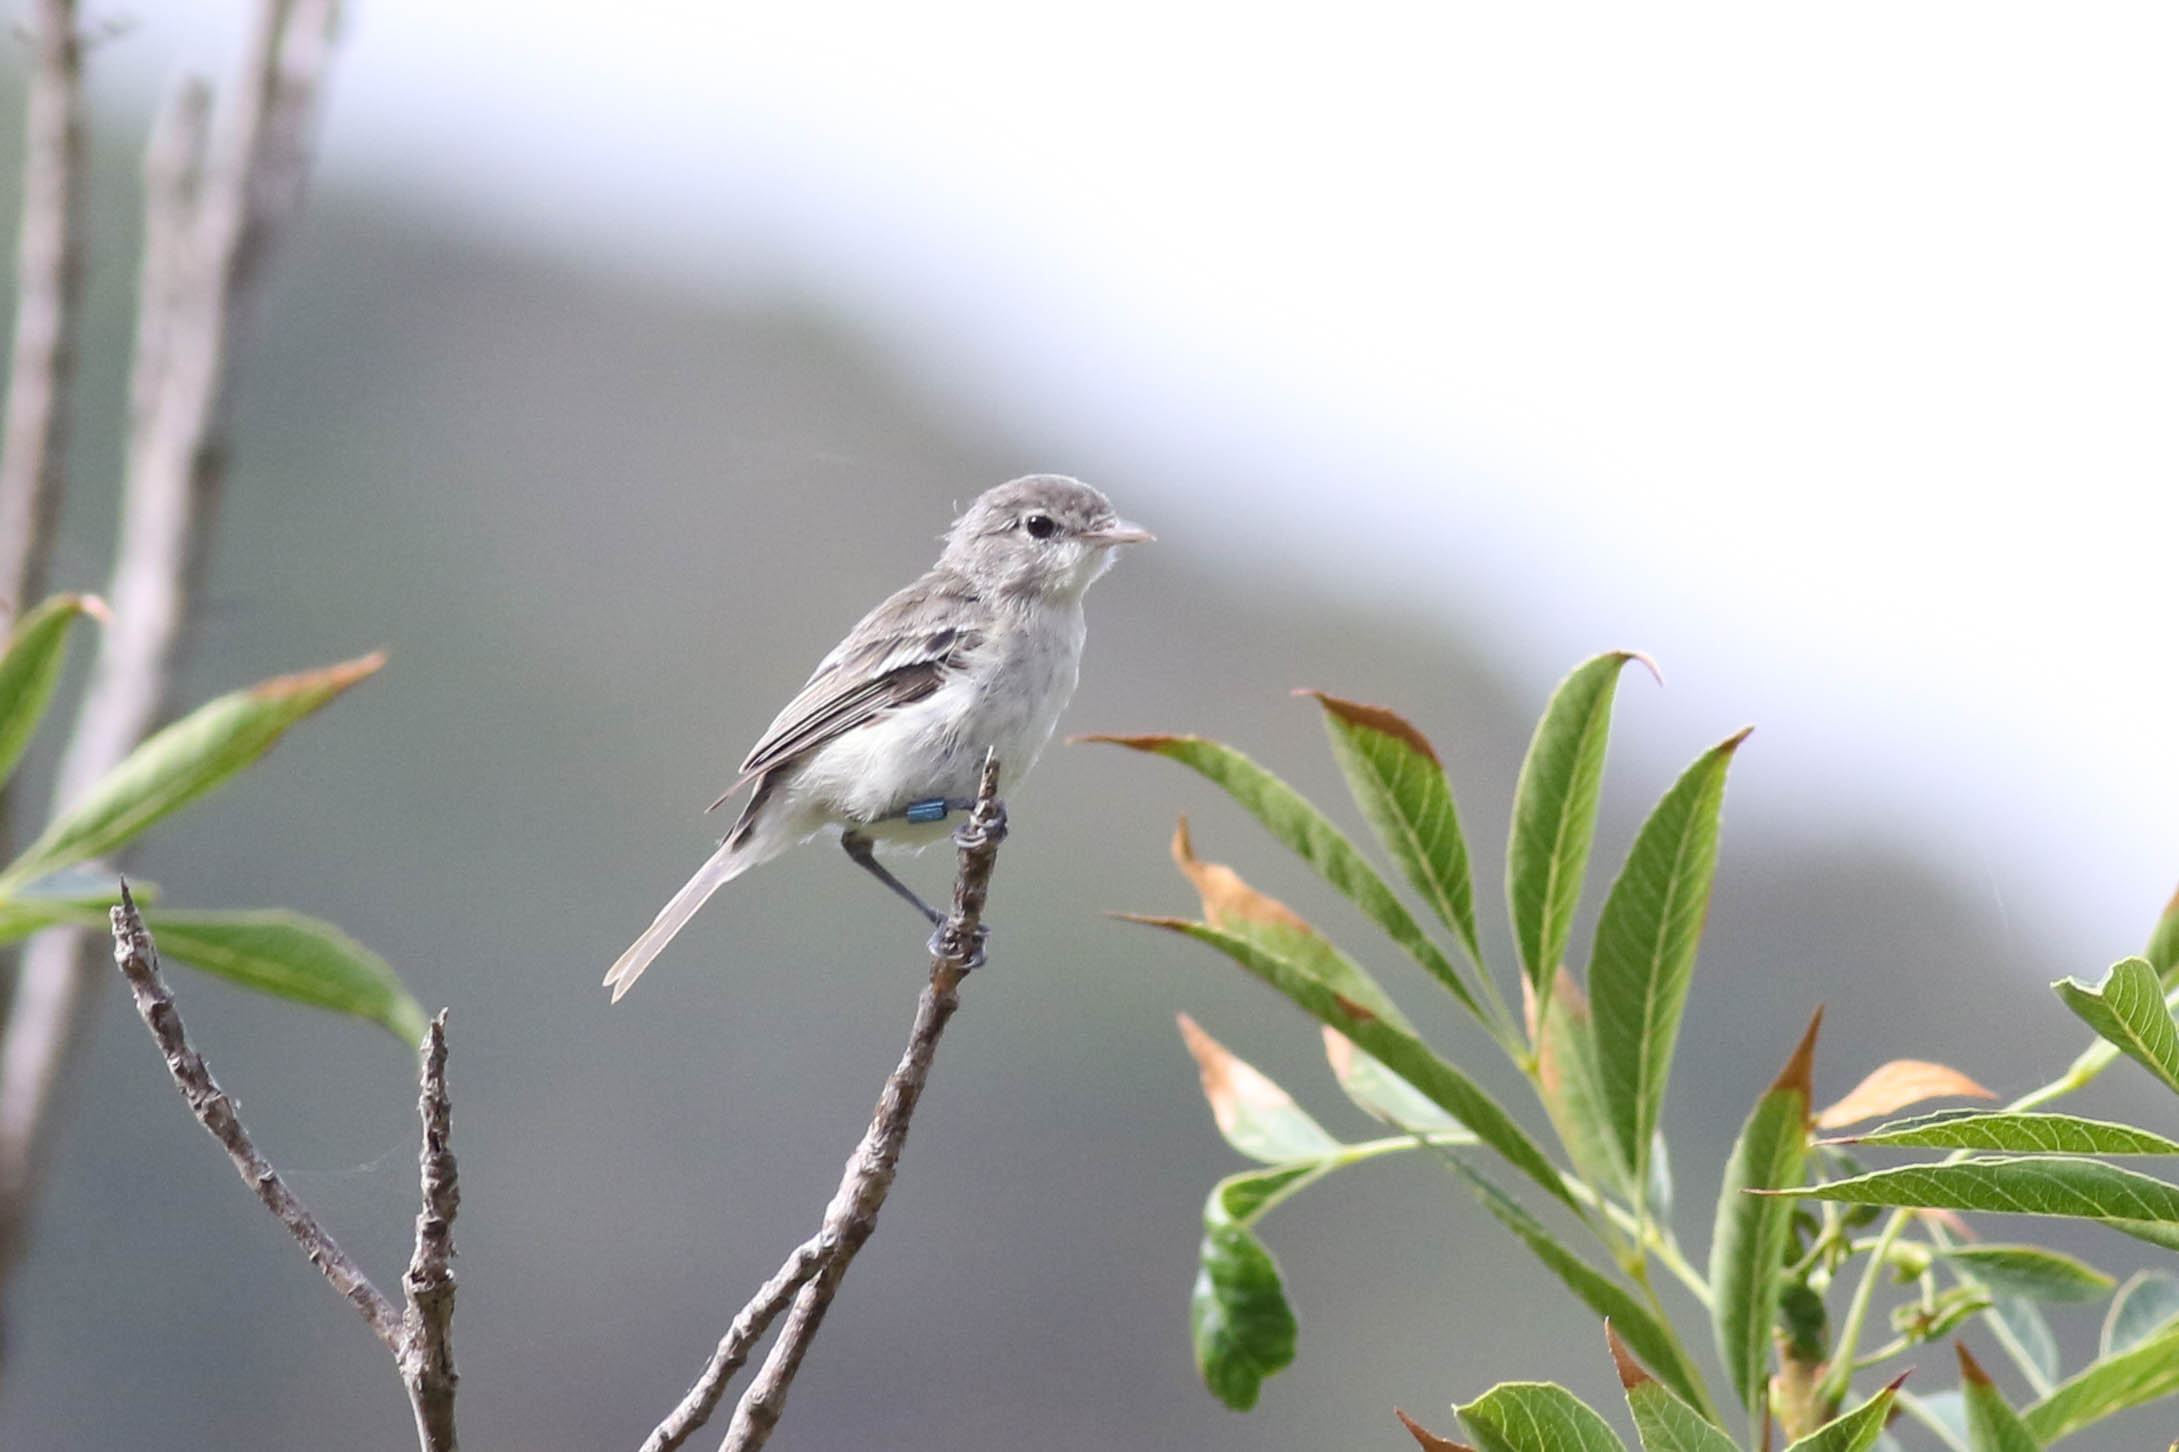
(888, 737)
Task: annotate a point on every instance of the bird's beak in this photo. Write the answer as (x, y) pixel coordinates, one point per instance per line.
(1118, 532)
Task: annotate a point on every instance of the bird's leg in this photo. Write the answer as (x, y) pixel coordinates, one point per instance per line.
(857, 847)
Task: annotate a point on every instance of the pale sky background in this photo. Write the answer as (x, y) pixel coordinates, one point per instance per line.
(1829, 355)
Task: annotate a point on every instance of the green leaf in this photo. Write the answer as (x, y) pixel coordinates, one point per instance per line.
(1661, 1420)
(1566, 1081)
(174, 767)
(1619, 1307)
(2128, 1009)
(2147, 1305)
(2154, 1232)
(1391, 1044)
(1252, 1194)
(1238, 1317)
(1854, 1431)
(1992, 1424)
(1554, 813)
(2016, 1134)
(30, 668)
(294, 957)
(2030, 1271)
(1533, 1416)
(1379, 1092)
(1255, 1115)
(1310, 834)
(1748, 1245)
(2023, 1185)
(1645, 951)
(2107, 1386)
(1401, 788)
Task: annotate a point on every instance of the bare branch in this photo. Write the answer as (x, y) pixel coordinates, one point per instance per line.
(48, 282)
(201, 240)
(812, 1274)
(426, 1355)
(733, 1350)
(138, 958)
(419, 1339)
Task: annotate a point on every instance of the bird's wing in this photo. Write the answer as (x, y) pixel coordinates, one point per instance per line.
(900, 652)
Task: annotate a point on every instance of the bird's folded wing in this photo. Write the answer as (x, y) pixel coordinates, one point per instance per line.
(897, 655)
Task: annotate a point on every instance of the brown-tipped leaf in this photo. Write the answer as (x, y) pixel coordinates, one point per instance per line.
(1399, 784)
(1231, 906)
(175, 766)
(1749, 1242)
(1306, 831)
(1892, 1087)
(1256, 1116)
(1426, 1439)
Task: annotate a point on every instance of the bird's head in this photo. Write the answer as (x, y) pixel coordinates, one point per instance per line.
(1044, 535)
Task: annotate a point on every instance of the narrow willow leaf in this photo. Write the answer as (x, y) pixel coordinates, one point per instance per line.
(1554, 812)
(2154, 1232)
(1232, 906)
(2163, 949)
(1426, 1439)
(2030, 1271)
(1627, 1317)
(2128, 1009)
(294, 957)
(1645, 951)
(1400, 786)
(2026, 1336)
(2022, 1185)
(2147, 1305)
(174, 767)
(1393, 1046)
(1661, 1420)
(1748, 1245)
(2107, 1386)
(1854, 1431)
(1536, 1416)
(1307, 832)
(1566, 1081)
(1238, 1317)
(1379, 1092)
(1992, 1424)
(1256, 1116)
(1892, 1087)
(31, 666)
(2018, 1134)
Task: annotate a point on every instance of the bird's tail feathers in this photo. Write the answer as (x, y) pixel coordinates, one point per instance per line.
(723, 866)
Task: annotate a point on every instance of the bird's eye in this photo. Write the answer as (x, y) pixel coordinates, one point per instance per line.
(1040, 526)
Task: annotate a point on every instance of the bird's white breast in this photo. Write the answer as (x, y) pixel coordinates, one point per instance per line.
(1007, 698)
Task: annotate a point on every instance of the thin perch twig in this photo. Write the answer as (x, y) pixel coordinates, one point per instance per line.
(426, 1357)
(812, 1274)
(138, 958)
(210, 213)
(48, 283)
(419, 1339)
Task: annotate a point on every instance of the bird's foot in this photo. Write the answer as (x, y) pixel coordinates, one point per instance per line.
(971, 833)
(943, 947)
